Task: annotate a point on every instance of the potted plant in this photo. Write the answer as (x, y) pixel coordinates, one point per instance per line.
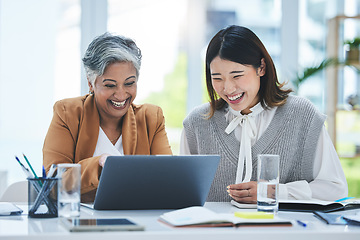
(308, 72)
(311, 71)
(352, 53)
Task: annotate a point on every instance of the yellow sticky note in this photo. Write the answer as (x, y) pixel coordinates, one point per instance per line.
(254, 215)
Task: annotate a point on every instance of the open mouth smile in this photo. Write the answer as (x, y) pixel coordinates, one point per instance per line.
(236, 98)
(118, 104)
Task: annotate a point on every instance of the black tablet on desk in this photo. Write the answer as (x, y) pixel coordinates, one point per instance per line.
(99, 224)
(155, 182)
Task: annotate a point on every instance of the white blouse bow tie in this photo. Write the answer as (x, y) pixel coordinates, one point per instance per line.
(248, 133)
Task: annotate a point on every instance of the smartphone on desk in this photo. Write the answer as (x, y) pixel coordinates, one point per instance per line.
(100, 224)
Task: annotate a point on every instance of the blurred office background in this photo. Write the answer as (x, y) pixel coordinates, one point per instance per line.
(42, 42)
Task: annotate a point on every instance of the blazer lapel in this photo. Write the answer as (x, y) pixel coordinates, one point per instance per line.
(88, 130)
(129, 133)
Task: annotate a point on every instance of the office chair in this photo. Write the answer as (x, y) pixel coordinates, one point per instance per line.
(16, 192)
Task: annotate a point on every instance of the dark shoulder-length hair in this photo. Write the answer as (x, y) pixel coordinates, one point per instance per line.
(241, 45)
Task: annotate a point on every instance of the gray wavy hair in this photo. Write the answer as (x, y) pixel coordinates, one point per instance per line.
(106, 49)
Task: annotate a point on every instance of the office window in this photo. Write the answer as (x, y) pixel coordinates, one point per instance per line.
(39, 64)
(168, 68)
(314, 16)
(156, 32)
(158, 28)
(40, 59)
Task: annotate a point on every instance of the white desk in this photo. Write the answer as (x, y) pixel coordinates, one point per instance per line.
(22, 227)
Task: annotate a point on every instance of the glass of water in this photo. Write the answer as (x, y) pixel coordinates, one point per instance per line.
(268, 183)
(69, 186)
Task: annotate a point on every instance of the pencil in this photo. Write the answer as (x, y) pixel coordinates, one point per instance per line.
(32, 170)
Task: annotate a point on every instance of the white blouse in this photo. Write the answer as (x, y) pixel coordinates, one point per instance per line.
(329, 179)
(104, 145)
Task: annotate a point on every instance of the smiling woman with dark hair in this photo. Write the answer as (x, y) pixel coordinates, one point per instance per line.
(250, 113)
(87, 129)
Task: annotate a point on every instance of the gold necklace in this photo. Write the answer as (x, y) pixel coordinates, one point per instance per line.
(115, 139)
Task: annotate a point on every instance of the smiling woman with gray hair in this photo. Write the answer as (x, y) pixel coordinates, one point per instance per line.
(105, 122)
(107, 49)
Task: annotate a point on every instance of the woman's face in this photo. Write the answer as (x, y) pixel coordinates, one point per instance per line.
(237, 84)
(115, 90)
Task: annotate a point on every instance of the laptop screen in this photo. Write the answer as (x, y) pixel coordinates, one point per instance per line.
(155, 181)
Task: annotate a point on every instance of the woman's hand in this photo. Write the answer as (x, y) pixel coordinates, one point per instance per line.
(102, 159)
(243, 192)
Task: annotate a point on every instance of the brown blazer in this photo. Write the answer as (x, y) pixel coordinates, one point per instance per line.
(74, 130)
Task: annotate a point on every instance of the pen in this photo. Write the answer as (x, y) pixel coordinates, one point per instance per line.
(301, 223)
(343, 199)
(28, 174)
(32, 170)
(25, 170)
(51, 170)
(43, 172)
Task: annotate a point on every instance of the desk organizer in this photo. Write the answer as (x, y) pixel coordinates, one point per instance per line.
(42, 197)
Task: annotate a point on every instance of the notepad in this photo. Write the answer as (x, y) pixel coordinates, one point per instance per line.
(7, 209)
(254, 215)
(203, 217)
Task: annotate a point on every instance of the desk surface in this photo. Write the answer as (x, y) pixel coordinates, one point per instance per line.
(22, 227)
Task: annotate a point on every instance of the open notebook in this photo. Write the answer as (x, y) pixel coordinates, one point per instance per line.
(203, 217)
(155, 182)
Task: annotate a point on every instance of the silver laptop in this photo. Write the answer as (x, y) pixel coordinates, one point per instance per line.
(155, 182)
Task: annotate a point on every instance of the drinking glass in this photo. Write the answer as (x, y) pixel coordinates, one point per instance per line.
(69, 176)
(268, 183)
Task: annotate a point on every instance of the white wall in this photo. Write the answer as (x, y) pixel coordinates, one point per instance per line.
(27, 56)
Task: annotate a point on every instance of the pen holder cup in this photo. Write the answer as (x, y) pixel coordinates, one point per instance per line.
(42, 197)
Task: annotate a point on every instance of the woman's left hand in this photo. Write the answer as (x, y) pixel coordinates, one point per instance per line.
(243, 192)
